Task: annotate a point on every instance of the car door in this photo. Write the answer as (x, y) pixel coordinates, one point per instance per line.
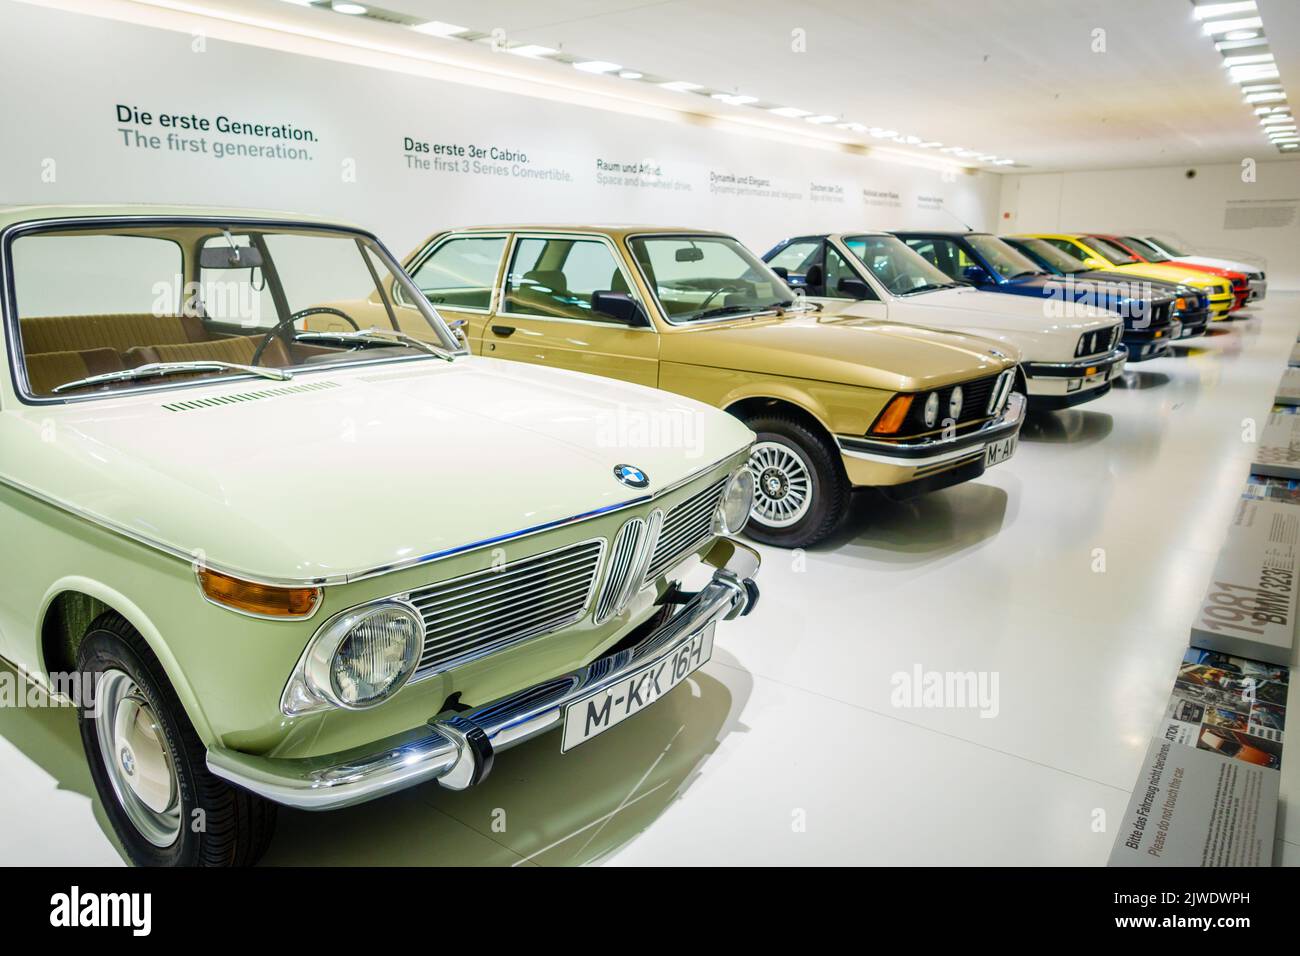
(458, 273)
(545, 314)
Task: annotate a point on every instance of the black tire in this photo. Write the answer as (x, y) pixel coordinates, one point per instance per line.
(830, 486)
(236, 825)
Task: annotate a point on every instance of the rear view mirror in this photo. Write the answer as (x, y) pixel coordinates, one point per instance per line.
(782, 271)
(619, 306)
(230, 257)
(814, 278)
(689, 254)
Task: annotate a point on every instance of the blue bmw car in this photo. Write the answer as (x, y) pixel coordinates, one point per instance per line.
(990, 264)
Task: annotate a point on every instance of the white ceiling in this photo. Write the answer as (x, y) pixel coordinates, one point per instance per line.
(1016, 78)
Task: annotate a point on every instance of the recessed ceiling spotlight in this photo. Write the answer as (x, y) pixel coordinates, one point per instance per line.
(1242, 35)
(630, 75)
(1005, 162)
(1275, 119)
(932, 144)
(531, 50)
(1222, 8)
(735, 99)
(790, 111)
(1258, 71)
(436, 28)
(1231, 61)
(680, 86)
(1217, 27)
(1272, 97)
(1226, 45)
(597, 66)
(879, 133)
(824, 118)
(350, 9)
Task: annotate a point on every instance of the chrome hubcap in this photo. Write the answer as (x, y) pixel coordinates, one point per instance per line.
(139, 764)
(782, 484)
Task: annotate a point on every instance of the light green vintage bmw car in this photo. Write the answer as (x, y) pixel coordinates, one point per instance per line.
(312, 567)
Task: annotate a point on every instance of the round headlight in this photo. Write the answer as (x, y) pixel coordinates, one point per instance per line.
(376, 656)
(955, 402)
(358, 659)
(737, 500)
(931, 409)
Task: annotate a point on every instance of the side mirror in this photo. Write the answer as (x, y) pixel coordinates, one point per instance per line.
(814, 279)
(782, 271)
(975, 275)
(458, 327)
(1092, 263)
(620, 307)
(853, 287)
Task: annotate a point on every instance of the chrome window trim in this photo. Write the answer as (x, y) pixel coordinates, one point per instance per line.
(438, 242)
(512, 247)
(361, 575)
(13, 332)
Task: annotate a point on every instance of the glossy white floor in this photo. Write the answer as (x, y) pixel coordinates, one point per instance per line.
(787, 748)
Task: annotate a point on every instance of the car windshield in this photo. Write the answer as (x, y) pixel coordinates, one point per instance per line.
(703, 277)
(1005, 260)
(109, 306)
(1111, 251)
(1047, 255)
(1145, 249)
(898, 267)
(1168, 248)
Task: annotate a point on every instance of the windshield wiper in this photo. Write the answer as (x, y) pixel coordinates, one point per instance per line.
(377, 336)
(734, 310)
(932, 286)
(155, 369)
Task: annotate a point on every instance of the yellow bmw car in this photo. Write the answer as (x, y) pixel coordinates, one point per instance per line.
(1100, 253)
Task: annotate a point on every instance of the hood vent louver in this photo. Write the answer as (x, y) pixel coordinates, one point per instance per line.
(238, 399)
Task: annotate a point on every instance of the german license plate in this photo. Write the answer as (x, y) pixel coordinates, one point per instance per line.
(999, 451)
(589, 716)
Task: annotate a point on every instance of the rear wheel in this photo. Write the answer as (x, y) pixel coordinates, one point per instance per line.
(149, 765)
(801, 493)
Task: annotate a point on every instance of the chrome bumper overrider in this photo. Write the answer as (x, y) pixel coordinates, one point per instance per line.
(938, 450)
(457, 750)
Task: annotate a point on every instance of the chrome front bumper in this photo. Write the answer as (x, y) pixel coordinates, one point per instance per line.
(919, 454)
(457, 749)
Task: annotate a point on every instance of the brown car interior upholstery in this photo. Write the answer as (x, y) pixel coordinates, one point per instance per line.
(47, 370)
(68, 347)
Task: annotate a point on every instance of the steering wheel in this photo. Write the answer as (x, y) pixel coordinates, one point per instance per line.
(290, 320)
(729, 287)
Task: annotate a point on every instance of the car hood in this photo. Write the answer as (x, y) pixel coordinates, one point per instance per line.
(343, 471)
(1040, 331)
(1231, 265)
(849, 350)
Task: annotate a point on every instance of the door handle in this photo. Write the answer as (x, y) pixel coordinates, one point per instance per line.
(505, 331)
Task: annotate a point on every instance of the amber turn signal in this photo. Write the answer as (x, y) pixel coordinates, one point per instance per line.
(262, 599)
(892, 418)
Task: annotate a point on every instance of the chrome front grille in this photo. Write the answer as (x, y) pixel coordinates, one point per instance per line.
(486, 611)
(686, 526)
(627, 564)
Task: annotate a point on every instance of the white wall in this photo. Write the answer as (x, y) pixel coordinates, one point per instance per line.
(64, 74)
(1215, 212)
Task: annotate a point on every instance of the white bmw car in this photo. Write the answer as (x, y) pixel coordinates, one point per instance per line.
(1254, 273)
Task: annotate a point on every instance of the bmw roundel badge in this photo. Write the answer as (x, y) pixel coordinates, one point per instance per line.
(631, 476)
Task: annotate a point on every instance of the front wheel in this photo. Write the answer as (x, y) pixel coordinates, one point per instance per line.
(149, 765)
(801, 493)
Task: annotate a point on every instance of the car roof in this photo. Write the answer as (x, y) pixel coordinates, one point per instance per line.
(12, 215)
(613, 231)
